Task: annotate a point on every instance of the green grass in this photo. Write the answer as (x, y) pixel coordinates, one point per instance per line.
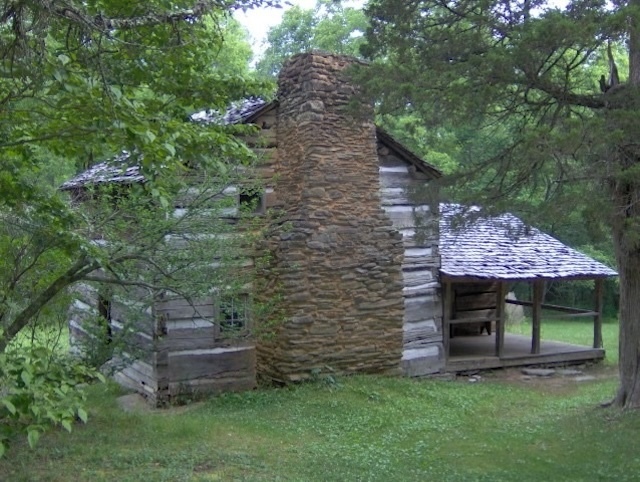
(578, 331)
(55, 337)
(364, 428)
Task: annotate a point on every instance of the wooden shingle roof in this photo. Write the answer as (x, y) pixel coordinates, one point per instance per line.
(122, 169)
(118, 170)
(504, 248)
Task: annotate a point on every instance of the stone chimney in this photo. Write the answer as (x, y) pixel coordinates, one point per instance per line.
(335, 260)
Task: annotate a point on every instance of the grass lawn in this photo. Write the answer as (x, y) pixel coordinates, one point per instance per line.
(363, 428)
(578, 331)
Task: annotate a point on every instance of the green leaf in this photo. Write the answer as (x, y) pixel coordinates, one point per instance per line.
(32, 437)
(26, 377)
(3, 449)
(82, 415)
(170, 148)
(10, 406)
(66, 423)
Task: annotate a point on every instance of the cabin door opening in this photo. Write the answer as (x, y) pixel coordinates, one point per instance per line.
(474, 319)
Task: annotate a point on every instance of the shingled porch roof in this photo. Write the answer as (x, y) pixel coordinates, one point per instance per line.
(503, 247)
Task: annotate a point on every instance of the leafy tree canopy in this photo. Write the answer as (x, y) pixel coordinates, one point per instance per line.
(330, 26)
(83, 81)
(551, 123)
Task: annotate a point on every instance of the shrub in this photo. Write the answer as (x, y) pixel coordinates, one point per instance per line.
(40, 389)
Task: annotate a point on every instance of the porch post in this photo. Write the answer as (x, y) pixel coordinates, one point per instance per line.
(500, 318)
(446, 326)
(538, 288)
(597, 319)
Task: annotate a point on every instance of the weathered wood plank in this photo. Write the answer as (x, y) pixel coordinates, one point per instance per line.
(404, 217)
(391, 196)
(86, 294)
(500, 318)
(538, 292)
(138, 376)
(134, 315)
(215, 386)
(420, 308)
(193, 338)
(446, 319)
(212, 363)
(474, 288)
(421, 334)
(386, 159)
(597, 319)
(180, 309)
(265, 138)
(423, 361)
(483, 363)
(547, 306)
(477, 301)
(478, 319)
(416, 277)
(476, 315)
(413, 237)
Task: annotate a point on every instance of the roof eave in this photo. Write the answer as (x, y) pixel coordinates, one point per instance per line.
(420, 164)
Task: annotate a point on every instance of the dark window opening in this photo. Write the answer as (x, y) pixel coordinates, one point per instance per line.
(252, 202)
(232, 315)
(104, 310)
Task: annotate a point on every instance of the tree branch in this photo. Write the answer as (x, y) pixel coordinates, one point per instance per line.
(199, 9)
(80, 268)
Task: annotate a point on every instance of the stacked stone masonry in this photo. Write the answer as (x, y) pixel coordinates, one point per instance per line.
(336, 258)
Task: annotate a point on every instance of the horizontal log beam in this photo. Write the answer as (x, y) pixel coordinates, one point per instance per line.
(546, 306)
(479, 319)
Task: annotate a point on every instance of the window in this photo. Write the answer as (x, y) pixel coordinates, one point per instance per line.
(232, 314)
(252, 201)
(104, 310)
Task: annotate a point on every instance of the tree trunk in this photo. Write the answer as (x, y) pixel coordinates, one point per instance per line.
(626, 226)
(628, 395)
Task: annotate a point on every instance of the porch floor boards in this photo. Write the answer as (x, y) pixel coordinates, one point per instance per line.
(478, 352)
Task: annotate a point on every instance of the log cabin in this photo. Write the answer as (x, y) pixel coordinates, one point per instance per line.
(364, 267)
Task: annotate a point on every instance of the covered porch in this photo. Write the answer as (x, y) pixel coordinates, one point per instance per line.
(479, 353)
(480, 259)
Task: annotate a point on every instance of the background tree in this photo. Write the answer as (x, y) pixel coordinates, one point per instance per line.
(523, 73)
(81, 82)
(330, 26)
(85, 81)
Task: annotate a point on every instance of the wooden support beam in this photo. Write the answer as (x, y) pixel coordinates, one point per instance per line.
(597, 318)
(547, 306)
(446, 318)
(538, 290)
(477, 319)
(500, 318)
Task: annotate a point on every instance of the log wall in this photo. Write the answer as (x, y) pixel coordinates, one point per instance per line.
(412, 206)
(175, 349)
(473, 300)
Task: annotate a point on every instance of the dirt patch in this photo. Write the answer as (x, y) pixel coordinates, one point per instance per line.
(562, 380)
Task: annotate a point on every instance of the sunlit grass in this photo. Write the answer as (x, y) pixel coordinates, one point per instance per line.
(364, 428)
(358, 428)
(54, 336)
(578, 331)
